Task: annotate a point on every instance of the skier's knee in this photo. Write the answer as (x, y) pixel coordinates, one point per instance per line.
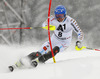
(48, 55)
(34, 55)
(56, 50)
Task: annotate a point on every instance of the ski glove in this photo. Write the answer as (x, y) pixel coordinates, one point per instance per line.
(78, 44)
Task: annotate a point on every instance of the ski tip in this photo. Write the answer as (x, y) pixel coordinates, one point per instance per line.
(11, 68)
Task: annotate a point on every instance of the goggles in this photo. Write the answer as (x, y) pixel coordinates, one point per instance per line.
(59, 15)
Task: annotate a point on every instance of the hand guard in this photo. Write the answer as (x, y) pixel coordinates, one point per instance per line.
(78, 44)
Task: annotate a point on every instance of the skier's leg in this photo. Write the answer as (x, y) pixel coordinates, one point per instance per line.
(26, 61)
(34, 55)
(58, 46)
(48, 55)
(44, 48)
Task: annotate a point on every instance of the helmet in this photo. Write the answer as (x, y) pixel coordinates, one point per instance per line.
(60, 9)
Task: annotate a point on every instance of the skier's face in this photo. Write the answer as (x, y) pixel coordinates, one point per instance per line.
(60, 17)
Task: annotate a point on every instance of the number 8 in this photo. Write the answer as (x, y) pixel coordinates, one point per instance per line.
(60, 34)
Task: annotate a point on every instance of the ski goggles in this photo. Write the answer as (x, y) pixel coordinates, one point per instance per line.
(59, 16)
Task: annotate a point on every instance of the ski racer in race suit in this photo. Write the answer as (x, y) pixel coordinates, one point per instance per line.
(61, 37)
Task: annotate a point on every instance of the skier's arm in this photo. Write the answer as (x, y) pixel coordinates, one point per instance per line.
(45, 23)
(43, 58)
(77, 29)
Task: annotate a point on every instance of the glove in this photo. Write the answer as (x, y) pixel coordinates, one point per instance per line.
(78, 44)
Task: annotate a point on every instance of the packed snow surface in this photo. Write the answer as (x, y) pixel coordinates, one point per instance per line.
(70, 64)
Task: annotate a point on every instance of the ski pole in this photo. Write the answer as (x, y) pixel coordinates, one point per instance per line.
(51, 27)
(15, 28)
(84, 47)
(92, 49)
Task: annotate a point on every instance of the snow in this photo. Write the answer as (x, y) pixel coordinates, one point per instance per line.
(70, 64)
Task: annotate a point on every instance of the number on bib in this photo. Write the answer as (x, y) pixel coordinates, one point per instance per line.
(60, 34)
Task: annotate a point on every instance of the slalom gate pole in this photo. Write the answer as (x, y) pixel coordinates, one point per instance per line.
(49, 31)
(15, 28)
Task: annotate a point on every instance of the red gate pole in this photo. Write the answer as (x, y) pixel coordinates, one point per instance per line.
(49, 31)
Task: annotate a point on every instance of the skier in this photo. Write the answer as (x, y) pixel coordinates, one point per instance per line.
(60, 39)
